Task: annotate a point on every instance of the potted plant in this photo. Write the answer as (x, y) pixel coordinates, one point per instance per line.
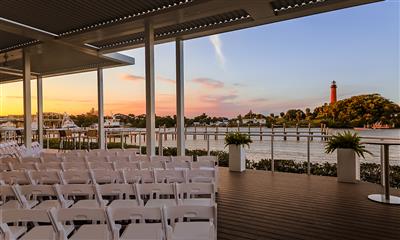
(237, 158)
(347, 145)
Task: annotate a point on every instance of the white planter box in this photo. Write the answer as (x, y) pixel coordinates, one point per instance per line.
(348, 166)
(237, 158)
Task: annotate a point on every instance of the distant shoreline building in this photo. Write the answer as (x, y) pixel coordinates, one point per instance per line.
(333, 92)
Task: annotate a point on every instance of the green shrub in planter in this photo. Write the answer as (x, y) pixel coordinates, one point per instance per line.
(346, 140)
(237, 138)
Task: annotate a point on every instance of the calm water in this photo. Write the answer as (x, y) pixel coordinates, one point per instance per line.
(291, 148)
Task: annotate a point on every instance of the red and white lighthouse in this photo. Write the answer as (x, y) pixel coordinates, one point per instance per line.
(333, 92)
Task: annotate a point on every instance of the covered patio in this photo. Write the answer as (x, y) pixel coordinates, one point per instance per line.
(58, 38)
(64, 37)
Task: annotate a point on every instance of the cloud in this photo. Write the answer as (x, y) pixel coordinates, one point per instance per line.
(208, 82)
(218, 98)
(166, 80)
(136, 78)
(131, 77)
(258, 100)
(217, 44)
(239, 85)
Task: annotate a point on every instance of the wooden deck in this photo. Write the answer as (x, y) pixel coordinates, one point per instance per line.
(265, 205)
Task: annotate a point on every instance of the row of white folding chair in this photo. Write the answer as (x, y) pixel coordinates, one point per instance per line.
(105, 223)
(94, 195)
(113, 165)
(108, 176)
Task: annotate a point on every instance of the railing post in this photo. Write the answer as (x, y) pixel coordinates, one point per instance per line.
(284, 132)
(297, 132)
(140, 143)
(272, 154)
(216, 132)
(308, 156)
(208, 145)
(160, 144)
(122, 139)
(261, 132)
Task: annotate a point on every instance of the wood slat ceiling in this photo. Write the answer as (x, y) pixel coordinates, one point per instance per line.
(65, 17)
(219, 20)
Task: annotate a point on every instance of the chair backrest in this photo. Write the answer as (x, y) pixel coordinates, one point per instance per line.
(44, 177)
(33, 191)
(121, 190)
(78, 190)
(134, 214)
(152, 165)
(67, 216)
(161, 158)
(179, 213)
(182, 158)
(170, 176)
(15, 177)
(192, 190)
(203, 164)
(23, 166)
(66, 166)
(207, 158)
(102, 176)
(177, 165)
(155, 191)
(101, 165)
(50, 166)
(141, 158)
(23, 216)
(76, 177)
(126, 165)
(135, 176)
(201, 175)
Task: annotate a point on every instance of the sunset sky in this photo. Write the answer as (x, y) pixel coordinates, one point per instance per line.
(268, 69)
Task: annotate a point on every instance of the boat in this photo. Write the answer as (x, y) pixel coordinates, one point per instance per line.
(377, 125)
(112, 122)
(67, 122)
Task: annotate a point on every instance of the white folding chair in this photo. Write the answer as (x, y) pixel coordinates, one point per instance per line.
(46, 195)
(84, 195)
(18, 166)
(170, 176)
(196, 194)
(75, 177)
(44, 177)
(152, 165)
(12, 198)
(50, 166)
(20, 218)
(204, 228)
(138, 176)
(204, 164)
(156, 194)
(101, 165)
(160, 158)
(182, 158)
(177, 165)
(207, 158)
(102, 176)
(119, 165)
(201, 175)
(140, 158)
(65, 218)
(121, 195)
(67, 166)
(15, 177)
(145, 223)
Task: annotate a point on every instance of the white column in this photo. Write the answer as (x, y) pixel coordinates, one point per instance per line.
(40, 109)
(180, 99)
(100, 109)
(150, 92)
(27, 98)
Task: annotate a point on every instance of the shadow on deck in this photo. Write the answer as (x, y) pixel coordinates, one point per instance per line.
(265, 205)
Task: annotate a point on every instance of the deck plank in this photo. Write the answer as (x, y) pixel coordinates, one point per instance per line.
(264, 205)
